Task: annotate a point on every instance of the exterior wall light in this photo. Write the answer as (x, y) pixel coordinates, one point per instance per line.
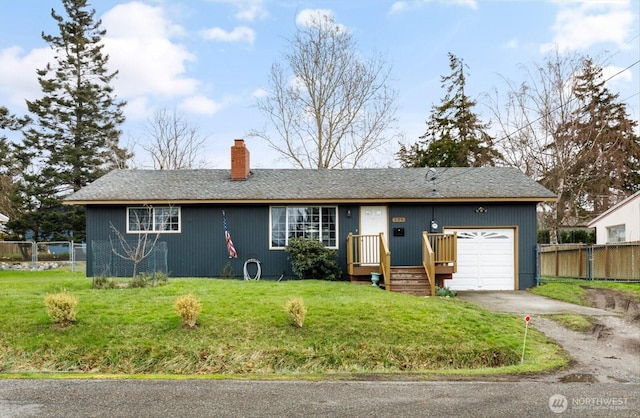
(434, 225)
(481, 209)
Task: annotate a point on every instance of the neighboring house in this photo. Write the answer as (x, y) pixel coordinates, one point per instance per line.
(621, 223)
(492, 209)
(3, 220)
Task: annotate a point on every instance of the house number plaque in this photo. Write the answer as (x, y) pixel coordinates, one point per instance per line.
(398, 219)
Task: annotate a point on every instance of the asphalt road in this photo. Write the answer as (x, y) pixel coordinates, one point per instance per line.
(229, 398)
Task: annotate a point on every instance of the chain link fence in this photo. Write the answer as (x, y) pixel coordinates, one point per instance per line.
(107, 257)
(32, 255)
(110, 259)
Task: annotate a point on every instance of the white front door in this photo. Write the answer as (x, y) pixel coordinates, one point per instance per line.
(486, 259)
(373, 220)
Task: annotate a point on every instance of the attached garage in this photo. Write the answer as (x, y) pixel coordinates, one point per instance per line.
(486, 259)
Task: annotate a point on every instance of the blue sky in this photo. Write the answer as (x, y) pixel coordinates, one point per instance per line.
(208, 59)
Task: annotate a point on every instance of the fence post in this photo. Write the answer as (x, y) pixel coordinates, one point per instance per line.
(537, 272)
(34, 255)
(589, 262)
(72, 255)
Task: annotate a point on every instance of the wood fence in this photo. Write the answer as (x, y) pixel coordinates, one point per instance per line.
(620, 261)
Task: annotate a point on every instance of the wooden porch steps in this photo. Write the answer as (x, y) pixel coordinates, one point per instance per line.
(411, 280)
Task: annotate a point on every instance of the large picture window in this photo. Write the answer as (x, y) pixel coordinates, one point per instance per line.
(310, 222)
(153, 219)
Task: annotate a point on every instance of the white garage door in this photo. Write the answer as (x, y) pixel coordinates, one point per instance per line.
(486, 260)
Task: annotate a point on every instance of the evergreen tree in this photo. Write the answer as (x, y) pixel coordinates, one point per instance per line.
(607, 158)
(455, 136)
(7, 122)
(75, 138)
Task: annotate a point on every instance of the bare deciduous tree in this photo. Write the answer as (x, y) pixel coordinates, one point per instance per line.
(531, 123)
(564, 128)
(329, 107)
(140, 248)
(174, 143)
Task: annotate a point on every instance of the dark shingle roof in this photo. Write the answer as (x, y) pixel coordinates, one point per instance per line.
(268, 185)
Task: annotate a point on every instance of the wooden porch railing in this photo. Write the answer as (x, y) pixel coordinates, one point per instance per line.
(429, 262)
(445, 248)
(369, 253)
(385, 263)
(362, 251)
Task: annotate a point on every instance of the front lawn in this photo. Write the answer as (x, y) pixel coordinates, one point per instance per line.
(243, 330)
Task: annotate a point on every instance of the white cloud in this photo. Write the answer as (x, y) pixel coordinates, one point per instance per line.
(398, 6)
(580, 25)
(238, 34)
(139, 43)
(317, 17)
(247, 10)
(138, 108)
(618, 78)
(259, 93)
(18, 73)
(200, 105)
(403, 6)
(512, 44)
(251, 10)
(310, 17)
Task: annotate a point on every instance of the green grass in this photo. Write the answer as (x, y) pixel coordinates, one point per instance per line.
(244, 331)
(574, 292)
(574, 322)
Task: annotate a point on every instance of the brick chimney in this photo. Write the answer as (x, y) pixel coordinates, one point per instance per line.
(240, 168)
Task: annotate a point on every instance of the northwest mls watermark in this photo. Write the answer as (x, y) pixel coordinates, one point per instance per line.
(559, 403)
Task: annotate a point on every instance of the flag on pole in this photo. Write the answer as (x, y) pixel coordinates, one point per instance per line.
(227, 237)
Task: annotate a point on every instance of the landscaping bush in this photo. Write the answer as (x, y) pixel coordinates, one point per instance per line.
(61, 308)
(140, 281)
(569, 236)
(188, 308)
(445, 292)
(310, 259)
(102, 282)
(297, 311)
(227, 271)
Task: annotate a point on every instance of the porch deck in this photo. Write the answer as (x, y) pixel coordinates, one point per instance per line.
(368, 254)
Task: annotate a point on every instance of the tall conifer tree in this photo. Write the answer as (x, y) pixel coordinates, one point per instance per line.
(606, 165)
(75, 135)
(455, 135)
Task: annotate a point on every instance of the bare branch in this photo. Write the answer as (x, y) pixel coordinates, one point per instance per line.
(174, 143)
(329, 108)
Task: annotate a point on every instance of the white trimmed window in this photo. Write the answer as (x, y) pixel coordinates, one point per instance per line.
(616, 233)
(310, 222)
(153, 219)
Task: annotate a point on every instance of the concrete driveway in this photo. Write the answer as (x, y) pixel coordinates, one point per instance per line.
(523, 302)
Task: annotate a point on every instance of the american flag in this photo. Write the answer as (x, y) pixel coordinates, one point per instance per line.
(227, 237)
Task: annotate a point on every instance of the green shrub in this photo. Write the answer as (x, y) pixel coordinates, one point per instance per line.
(569, 236)
(149, 280)
(188, 308)
(227, 271)
(445, 292)
(310, 259)
(103, 283)
(296, 310)
(159, 279)
(61, 308)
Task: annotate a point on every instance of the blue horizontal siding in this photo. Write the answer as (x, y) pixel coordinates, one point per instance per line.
(200, 249)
